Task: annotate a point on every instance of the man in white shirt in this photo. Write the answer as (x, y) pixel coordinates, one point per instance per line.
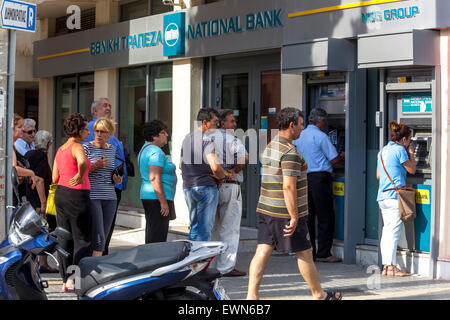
(232, 155)
(26, 143)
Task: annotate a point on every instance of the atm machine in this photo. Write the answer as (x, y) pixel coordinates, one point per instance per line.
(327, 90)
(409, 100)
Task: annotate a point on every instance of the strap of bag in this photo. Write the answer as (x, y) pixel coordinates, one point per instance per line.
(140, 154)
(395, 188)
(392, 181)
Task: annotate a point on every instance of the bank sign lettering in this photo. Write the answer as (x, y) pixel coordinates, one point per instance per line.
(18, 15)
(252, 21)
(391, 14)
(173, 35)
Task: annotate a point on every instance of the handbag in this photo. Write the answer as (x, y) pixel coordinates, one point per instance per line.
(172, 213)
(50, 208)
(406, 198)
(119, 170)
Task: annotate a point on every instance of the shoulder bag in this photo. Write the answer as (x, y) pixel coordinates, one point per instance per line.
(406, 198)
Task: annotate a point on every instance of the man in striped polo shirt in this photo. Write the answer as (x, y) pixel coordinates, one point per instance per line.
(283, 208)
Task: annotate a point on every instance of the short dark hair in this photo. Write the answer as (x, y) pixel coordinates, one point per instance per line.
(288, 115)
(207, 114)
(74, 124)
(153, 129)
(224, 114)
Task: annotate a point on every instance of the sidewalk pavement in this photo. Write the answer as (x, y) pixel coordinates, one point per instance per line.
(282, 281)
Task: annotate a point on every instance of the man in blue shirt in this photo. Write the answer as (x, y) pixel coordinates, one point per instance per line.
(319, 153)
(101, 108)
(26, 143)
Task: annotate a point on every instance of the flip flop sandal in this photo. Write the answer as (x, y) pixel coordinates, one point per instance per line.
(331, 295)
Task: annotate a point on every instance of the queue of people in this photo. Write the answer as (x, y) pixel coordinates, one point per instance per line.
(90, 172)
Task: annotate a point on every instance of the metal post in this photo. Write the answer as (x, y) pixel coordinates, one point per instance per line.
(10, 121)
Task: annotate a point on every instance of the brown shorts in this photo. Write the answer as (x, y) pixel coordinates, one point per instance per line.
(270, 231)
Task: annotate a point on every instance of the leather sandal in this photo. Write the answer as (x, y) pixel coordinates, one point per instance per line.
(385, 269)
(332, 295)
(394, 272)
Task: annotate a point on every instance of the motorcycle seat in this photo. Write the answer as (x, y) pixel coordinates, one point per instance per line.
(145, 258)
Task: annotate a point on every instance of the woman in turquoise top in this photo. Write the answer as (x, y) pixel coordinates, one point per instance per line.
(159, 182)
(398, 158)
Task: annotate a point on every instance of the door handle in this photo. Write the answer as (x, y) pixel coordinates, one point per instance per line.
(254, 113)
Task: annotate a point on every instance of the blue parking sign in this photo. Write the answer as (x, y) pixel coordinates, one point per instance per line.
(174, 34)
(18, 15)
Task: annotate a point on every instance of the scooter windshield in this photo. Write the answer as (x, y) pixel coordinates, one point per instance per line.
(26, 225)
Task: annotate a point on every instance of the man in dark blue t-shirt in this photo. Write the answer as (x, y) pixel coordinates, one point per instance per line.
(201, 174)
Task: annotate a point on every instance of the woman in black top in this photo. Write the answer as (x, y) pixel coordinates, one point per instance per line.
(38, 162)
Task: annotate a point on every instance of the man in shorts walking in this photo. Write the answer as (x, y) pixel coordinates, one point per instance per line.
(283, 208)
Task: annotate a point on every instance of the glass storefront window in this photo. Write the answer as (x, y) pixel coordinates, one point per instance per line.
(135, 109)
(66, 104)
(86, 94)
(161, 97)
(74, 93)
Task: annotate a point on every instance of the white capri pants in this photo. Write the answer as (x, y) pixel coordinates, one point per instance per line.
(392, 230)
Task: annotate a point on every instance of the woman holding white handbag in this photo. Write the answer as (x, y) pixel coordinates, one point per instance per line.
(394, 161)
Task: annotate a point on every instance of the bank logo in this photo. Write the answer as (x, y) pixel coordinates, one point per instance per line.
(171, 35)
(174, 34)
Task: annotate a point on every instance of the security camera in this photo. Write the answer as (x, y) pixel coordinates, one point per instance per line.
(168, 2)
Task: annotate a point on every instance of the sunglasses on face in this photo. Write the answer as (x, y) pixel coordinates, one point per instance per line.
(30, 132)
(100, 132)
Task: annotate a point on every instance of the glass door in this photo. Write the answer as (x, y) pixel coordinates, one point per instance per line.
(251, 87)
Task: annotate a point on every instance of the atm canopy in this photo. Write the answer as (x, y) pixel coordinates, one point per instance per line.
(319, 55)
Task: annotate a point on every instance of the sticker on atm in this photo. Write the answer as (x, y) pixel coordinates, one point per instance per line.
(338, 189)
(423, 196)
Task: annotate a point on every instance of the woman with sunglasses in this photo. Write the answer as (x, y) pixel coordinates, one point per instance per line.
(70, 172)
(103, 196)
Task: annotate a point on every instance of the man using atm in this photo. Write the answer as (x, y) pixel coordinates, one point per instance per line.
(320, 155)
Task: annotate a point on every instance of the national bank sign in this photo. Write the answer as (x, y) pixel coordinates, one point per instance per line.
(175, 33)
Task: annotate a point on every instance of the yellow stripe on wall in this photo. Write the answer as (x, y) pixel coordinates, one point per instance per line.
(64, 54)
(341, 7)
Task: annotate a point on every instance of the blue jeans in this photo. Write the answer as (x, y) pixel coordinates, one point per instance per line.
(202, 205)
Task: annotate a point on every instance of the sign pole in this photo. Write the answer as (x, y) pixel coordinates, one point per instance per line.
(10, 124)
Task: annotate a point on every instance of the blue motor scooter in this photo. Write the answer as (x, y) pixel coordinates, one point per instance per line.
(27, 238)
(176, 270)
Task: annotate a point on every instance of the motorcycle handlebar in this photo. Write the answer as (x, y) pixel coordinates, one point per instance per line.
(62, 252)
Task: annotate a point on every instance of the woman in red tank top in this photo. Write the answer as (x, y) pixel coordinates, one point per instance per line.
(70, 172)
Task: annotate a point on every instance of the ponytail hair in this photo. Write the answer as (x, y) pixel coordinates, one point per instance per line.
(399, 131)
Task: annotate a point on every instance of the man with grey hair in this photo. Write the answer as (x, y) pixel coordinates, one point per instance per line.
(26, 142)
(101, 108)
(319, 153)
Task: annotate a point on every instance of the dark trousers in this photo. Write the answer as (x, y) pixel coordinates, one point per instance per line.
(110, 233)
(156, 225)
(320, 205)
(72, 207)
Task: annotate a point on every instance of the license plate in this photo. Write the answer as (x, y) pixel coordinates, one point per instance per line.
(219, 291)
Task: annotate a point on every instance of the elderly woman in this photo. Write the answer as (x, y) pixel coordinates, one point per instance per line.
(395, 159)
(38, 161)
(158, 182)
(70, 172)
(103, 195)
